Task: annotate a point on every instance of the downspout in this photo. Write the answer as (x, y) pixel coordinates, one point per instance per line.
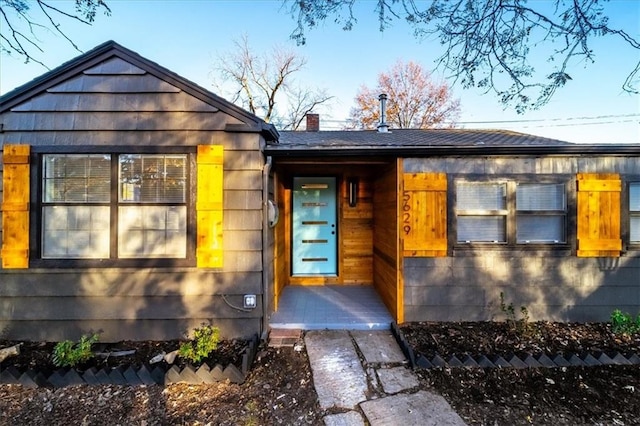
(266, 169)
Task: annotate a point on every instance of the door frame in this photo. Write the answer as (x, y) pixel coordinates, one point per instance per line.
(386, 260)
(288, 221)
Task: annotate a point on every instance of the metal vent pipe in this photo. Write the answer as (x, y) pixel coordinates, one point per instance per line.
(383, 127)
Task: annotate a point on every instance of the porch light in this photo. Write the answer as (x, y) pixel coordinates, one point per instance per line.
(353, 192)
(249, 301)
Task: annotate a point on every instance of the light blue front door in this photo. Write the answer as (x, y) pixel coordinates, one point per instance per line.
(314, 227)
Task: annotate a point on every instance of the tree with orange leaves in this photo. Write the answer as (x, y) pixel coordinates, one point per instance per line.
(415, 100)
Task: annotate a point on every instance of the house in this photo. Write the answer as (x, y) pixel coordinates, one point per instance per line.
(444, 221)
(140, 205)
(131, 204)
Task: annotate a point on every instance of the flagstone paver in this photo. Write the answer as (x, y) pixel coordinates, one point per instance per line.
(338, 375)
(420, 408)
(378, 346)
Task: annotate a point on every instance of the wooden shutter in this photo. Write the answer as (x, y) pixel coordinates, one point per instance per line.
(599, 215)
(209, 208)
(15, 207)
(423, 224)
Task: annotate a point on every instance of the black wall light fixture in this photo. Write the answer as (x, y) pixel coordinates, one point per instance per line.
(353, 191)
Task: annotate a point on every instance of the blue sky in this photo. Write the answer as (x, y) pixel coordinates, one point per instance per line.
(186, 36)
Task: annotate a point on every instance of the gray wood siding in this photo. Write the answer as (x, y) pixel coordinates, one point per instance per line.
(525, 165)
(110, 102)
(552, 286)
(115, 103)
(127, 138)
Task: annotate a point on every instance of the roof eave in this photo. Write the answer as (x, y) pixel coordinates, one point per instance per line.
(429, 151)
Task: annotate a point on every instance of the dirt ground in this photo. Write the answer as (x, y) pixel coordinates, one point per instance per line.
(606, 395)
(279, 388)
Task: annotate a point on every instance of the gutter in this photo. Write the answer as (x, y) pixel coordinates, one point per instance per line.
(265, 244)
(434, 151)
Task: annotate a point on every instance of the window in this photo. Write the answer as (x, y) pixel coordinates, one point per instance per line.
(152, 211)
(142, 196)
(540, 213)
(482, 212)
(509, 212)
(634, 212)
(75, 208)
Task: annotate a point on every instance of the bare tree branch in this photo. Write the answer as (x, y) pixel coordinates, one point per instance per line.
(19, 30)
(260, 83)
(491, 44)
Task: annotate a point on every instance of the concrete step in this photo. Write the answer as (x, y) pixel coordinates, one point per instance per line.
(280, 337)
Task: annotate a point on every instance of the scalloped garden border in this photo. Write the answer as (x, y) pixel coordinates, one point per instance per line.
(540, 360)
(134, 376)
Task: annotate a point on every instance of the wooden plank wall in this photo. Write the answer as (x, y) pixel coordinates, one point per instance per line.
(118, 104)
(1, 186)
(386, 261)
(281, 260)
(356, 231)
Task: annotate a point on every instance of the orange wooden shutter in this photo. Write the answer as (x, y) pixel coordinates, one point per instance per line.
(209, 208)
(423, 224)
(15, 207)
(599, 215)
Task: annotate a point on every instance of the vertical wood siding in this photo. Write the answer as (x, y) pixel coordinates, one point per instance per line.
(282, 246)
(424, 214)
(599, 215)
(357, 233)
(355, 227)
(116, 103)
(209, 207)
(15, 207)
(387, 260)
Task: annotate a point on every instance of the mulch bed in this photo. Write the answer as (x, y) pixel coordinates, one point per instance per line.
(127, 363)
(601, 395)
(279, 387)
(501, 338)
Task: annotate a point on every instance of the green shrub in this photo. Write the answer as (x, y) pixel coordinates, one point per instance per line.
(70, 354)
(520, 326)
(205, 340)
(624, 323)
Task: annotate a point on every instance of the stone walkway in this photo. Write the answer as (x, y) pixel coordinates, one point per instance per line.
(380, 388)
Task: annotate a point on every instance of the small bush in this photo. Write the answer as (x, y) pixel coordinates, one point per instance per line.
(624, 323)
(520, 326)
(70, 354)
(205, 340)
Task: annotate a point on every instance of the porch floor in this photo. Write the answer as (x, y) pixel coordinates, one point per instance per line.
(355, 307)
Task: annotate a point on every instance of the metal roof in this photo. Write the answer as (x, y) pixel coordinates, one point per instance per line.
(403, 142)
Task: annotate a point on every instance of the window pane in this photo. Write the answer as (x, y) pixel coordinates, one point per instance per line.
(481, 196)
(540, 229)
(153, 178)
(152, 231)
(634, 197)
(481, 229)
(75, 232)
(635, 229)
(537, 197)
(76, 178)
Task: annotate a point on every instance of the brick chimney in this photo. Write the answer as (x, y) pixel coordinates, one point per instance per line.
(313, 122)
